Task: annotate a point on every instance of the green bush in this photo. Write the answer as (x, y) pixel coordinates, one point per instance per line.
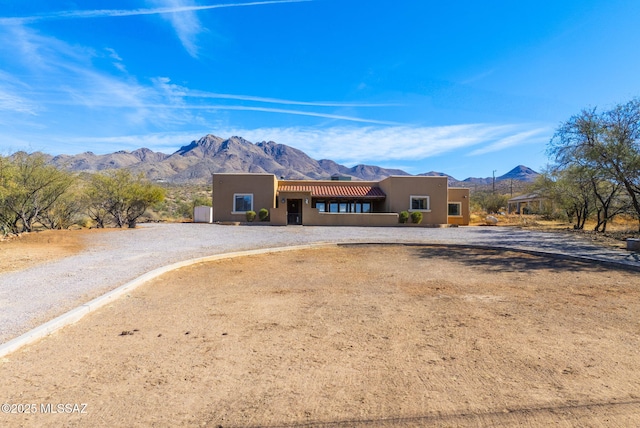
(403, 217)
(251, 215)
(416, 217)
(263, 214)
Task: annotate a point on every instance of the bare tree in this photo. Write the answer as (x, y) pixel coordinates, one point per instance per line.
(607, 143)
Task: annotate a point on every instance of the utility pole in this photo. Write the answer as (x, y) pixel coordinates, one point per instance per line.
(494, 180)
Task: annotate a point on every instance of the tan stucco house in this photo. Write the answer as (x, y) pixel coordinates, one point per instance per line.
(337, 202)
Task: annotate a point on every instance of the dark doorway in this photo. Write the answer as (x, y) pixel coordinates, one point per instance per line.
(294, 211)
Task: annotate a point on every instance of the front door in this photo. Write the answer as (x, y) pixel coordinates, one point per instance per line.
(294, 211)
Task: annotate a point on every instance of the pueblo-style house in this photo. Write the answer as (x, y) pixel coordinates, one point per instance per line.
(339, 202)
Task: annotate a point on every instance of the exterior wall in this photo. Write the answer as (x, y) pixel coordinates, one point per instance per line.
(460, 195)
(316, 218)
(262, 186)
(399, 190)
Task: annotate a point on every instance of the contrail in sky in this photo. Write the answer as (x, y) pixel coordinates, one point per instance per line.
(201, 94)
(110, 13)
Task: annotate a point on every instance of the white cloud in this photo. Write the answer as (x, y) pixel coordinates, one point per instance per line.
(184, 20)
(393, 145)
(525, 137)
(62, 74)
(352, 145)
(117, 60)
(68, 77)
(15, 103)
(161, 142)
(11, 98)
(174, 7)
(180, 13)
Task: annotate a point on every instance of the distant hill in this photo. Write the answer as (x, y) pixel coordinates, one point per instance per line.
(519, 173)
(196, 161)
(452, 181)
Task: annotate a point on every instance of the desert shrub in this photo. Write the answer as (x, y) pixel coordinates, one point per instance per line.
(416, 217)
(84, 222)
(403, 217)
(251, 215)
(263, 214)
(120, 196)
(488, 202)
(183, 209)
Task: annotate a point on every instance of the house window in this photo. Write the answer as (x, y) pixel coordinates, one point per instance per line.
(455, 209)
(242, 202)
(342, 207)
(419, 203)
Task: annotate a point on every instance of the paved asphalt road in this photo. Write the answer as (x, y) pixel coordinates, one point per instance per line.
(35, 295)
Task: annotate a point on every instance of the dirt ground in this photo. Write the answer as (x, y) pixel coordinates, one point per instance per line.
(30, 249)
(346, 336)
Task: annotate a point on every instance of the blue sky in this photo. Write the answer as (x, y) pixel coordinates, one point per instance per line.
(464, 87)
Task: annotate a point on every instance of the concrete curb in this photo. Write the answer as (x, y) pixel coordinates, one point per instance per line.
(76, 314)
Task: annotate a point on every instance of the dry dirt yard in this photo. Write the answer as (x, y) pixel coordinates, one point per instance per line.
(29, 249)
(348, 336)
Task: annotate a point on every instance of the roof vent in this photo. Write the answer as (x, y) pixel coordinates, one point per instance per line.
(338, 177)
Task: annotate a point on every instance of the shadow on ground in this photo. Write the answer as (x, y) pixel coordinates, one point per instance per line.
(509, 260)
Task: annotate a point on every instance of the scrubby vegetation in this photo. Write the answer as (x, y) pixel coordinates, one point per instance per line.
(34, 195)
(485, 200)
(592, 183)
(596, 169)
(180, 201)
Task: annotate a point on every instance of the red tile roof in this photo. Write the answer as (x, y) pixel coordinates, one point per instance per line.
(326, 191)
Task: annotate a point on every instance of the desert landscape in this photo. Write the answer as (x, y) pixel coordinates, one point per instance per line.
(298, 213)
(351, 335)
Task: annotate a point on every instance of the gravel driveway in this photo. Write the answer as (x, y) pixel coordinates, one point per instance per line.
(33, 296)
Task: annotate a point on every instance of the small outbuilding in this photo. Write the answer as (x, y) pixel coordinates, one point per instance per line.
(526, 204)
(202, 214)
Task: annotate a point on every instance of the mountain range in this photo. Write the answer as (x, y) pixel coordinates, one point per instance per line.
(196, 162)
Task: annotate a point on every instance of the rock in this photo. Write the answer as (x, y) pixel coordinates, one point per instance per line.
(491, 220)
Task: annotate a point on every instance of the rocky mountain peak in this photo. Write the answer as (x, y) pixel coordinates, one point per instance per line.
(205, 146)
(147, 155)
